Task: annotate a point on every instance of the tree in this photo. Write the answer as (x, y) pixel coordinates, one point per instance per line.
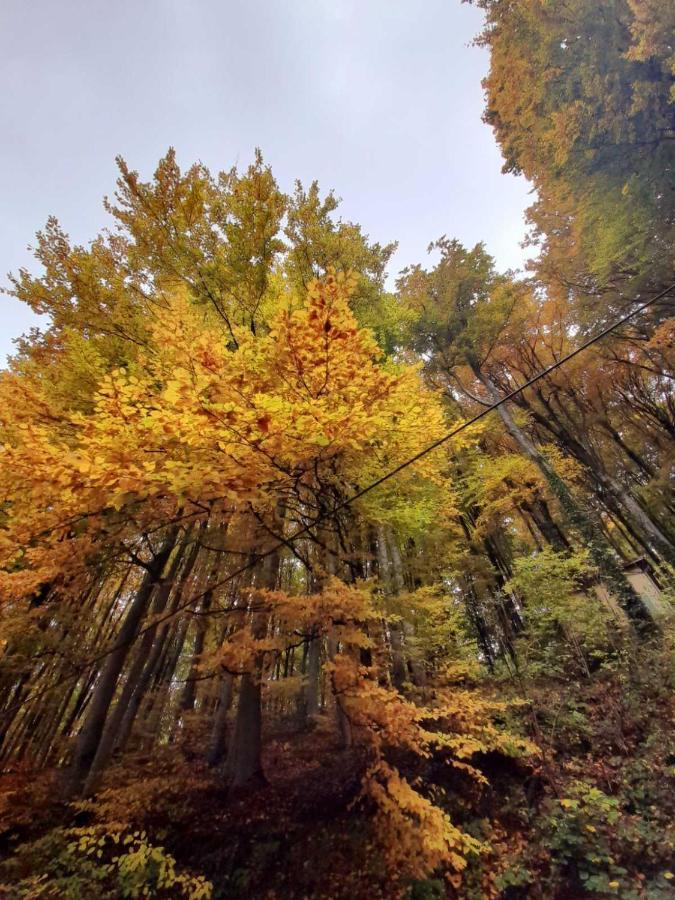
(458, 323)
(580, 98)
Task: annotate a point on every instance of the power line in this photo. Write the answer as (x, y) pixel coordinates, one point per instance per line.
(307, 529)
(489, 409)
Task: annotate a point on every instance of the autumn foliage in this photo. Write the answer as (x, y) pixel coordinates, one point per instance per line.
(255, 641)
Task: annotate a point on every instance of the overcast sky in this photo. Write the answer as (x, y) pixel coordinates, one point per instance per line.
(379, 99)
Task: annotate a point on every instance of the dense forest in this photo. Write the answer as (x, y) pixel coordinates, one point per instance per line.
(292, 603)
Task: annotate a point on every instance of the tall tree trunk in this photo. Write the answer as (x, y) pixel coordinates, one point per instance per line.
(244, 763)
(218, 742)
(394, 630)
(89, 738)
(344, 725)
(538, 510)
(159, 638)
(601, 554)
(477, 619)
(165, 670)
(114, 721)
(641, 464)
(187, 703)
(312, 693)
(607, 486)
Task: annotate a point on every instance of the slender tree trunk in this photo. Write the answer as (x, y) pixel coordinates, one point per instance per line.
(48, 740)
(417, 668)
(89, 738)
(394, 631)
(187, 703)
(159, 638)
(548, 527)
(642, 465)
(477, 619)
(607, 486)
(344, 725)
(601, 554)
(399, 670)
(653, 533)
(313, 686)
(113, 724)
(161, 680)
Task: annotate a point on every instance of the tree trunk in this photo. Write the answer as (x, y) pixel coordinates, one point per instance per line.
(187, 703)
(312, 687)
(344, 725)
(390, 585)
(218, 741)
(601, 554)
(113, 725)
(244, 764)
(153, 657)
(89, 738)
(609, 488)
(540, 514)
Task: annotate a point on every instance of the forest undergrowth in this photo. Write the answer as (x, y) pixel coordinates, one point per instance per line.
(589, 810)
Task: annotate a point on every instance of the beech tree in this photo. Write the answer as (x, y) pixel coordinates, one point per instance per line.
(580, 98)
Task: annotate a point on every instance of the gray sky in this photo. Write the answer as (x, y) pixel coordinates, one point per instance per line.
(379, 99)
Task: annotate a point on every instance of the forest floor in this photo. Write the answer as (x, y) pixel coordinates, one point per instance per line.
(591, 817)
